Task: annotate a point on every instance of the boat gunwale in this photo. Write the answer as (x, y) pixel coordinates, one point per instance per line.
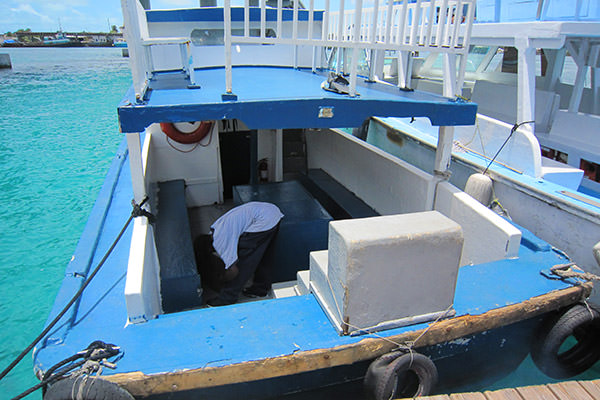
(140, 384)
(527, 185)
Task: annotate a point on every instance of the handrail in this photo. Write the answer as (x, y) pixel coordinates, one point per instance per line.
(405, 25)
(402, 26)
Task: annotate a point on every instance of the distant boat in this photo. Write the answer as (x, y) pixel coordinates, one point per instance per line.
(120, 43)
(59, 40)
(11, 43)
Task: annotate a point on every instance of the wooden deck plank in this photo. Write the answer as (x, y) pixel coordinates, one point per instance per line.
(592, 387)
(539, 392)
(467, 396)
(503, 394)
(570, 390)
(437, 397)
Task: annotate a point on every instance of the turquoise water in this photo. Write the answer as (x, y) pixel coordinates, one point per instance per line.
(58, 134)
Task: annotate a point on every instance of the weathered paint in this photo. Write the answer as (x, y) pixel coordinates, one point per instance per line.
(443, 331)
(277, 98)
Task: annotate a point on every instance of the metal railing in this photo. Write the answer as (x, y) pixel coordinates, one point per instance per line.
(401, 25)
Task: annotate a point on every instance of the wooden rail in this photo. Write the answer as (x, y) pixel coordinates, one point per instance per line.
(569, 390)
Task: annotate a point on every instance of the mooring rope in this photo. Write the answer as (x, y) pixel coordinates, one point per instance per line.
(93, 358)
(565, 271)
(512, 130)
(136, 212)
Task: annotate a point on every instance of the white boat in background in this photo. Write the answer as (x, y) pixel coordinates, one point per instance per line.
(533, 66)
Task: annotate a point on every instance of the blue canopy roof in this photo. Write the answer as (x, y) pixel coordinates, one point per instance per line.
(276, 98)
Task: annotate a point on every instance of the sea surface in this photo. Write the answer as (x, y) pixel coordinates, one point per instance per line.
(58, 134)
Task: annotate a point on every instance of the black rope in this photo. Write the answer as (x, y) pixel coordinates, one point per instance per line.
(138, 211)
(514, 128)
(96, 351)
(134, 213)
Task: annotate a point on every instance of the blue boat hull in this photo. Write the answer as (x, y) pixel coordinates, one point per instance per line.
(275, 347)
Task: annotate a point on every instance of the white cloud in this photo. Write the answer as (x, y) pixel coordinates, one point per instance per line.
(27, 8)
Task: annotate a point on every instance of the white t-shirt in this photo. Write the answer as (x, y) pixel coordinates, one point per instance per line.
(249, 217)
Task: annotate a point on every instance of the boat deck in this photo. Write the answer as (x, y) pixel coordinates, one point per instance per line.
(243, 333)
(273, 92)
(569, 390)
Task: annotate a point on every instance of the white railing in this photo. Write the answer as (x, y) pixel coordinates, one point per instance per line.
(404, 26)
(437, 25)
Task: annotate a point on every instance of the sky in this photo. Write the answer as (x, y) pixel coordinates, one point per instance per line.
(71, 15)
(82, 15)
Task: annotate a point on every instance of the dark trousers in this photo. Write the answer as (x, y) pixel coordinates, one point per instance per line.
(251, 249)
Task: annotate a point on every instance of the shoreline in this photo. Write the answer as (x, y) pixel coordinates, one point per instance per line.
(70, 45)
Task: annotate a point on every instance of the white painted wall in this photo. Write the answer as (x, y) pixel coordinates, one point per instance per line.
(566, 227)
(167, 57)
(488, 237)
(392, 186)
(500, 101)
(268, 148)
(522, 152)
(386, 183)
(200, 168)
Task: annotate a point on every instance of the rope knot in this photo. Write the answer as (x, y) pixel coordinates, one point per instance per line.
(138, 211)
(571, 270)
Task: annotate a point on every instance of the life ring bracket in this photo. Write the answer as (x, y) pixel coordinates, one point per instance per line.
(192, 137)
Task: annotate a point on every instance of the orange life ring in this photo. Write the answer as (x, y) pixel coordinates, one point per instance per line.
(193, 136)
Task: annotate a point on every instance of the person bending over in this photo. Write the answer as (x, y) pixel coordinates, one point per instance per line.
(240, 239)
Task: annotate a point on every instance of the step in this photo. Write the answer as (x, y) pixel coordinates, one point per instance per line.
(303, 285)
(321, 288)
(284, 289)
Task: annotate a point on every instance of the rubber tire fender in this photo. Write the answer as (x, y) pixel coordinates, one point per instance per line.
(383, 381)
(186, 138)
(86, 388)
(579, 321)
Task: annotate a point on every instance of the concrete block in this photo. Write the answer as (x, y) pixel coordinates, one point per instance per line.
(388, 271)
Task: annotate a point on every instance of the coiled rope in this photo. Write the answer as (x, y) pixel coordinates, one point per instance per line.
(137, 211)
(93, 358)
(565, 271)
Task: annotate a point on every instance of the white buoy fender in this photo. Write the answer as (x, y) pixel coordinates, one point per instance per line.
(596, 251)
(479, 187)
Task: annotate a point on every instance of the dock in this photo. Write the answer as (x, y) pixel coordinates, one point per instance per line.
(569, 390)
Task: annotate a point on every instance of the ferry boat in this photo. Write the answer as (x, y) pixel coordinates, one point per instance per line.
(382, 271)
(535, 69)
(59, 40)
